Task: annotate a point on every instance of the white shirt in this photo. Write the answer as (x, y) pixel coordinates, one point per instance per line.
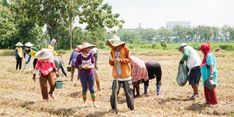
(193, 59)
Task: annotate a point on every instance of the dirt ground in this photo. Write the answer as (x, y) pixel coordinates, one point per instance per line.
(20, 95)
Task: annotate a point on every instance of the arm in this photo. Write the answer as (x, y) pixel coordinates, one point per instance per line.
(29, 58)
(111, 62)
(78, 62)
(38, 64)
(211, 72)
(210, 62)
(185, 56)
(127, 59)
(70, 59)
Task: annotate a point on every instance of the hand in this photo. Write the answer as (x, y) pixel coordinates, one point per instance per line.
(117, 60)
(181, 62)
(34, 77)
(57, 74)
(96, 67)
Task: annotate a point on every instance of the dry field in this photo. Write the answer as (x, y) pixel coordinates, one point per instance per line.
(20, 96)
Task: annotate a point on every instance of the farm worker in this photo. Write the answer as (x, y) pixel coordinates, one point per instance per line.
(59, 66)
(85, 64)
(51, 47)
(193, 63)
(121, 71)
(31, 52)
(94, 51)
(18, 55)
(72, 60)
(47, 71)
(154, 71)
(139, 73)
(209, 72)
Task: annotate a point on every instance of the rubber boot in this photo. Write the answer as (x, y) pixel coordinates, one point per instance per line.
(158, 89)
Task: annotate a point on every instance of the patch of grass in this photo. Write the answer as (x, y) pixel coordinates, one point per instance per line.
(7, 52)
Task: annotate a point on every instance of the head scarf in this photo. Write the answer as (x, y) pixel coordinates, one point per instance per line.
(205, 48)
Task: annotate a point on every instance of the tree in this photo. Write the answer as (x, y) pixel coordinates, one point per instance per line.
(7, 27)
(165, 34)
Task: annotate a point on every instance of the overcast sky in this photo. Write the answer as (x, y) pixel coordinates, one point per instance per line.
(155, 13)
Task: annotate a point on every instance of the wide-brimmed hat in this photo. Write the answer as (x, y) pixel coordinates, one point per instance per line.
(182, 45)
(114, 41)
(28, 44)
(44, 54)
(19, 44)
(86, 45)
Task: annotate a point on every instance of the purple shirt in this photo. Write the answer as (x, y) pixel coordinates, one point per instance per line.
(73, 57)
(85, 61)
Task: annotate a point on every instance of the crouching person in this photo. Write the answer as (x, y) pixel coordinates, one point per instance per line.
(47, 73)
(139, 73)
(154, 71)
(121, 72)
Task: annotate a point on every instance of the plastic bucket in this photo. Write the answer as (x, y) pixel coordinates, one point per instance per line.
(59, 84)
(69, 69)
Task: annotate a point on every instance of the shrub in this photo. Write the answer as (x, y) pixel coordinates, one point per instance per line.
(227, 47)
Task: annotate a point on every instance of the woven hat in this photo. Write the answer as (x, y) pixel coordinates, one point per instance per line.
(28, 44)
(183, 45)
(115, 41)
(86, 45)
(44, 54)
(19, 44)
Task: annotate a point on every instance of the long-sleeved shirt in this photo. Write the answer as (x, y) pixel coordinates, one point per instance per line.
(125, 64)
(73, 57)
(45, 67)
(83, 61)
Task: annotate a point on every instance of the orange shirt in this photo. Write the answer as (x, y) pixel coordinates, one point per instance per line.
(125, 63)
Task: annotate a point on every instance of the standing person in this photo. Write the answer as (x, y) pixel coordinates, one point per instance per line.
(47, 71)
(121, 72)
(85, 64)
(72, 60)
(94, 51)
(193, 63)
(209, 72)
(18, 55)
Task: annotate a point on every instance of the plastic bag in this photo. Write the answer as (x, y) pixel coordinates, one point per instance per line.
(182, 76)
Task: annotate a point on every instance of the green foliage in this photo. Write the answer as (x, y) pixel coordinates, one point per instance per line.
(228, 47)
(7, 30)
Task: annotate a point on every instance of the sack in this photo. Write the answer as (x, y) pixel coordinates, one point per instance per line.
(210, 84)
(182, 76)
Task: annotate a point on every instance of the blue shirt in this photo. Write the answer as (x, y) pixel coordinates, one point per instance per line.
(73, 57)
(205, 70)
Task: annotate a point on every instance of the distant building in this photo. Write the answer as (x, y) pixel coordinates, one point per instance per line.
(172, 24)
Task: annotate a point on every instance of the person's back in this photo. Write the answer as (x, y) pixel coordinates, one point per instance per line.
(193, 58)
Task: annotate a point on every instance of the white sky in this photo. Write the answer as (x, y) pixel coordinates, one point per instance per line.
(155, 13)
